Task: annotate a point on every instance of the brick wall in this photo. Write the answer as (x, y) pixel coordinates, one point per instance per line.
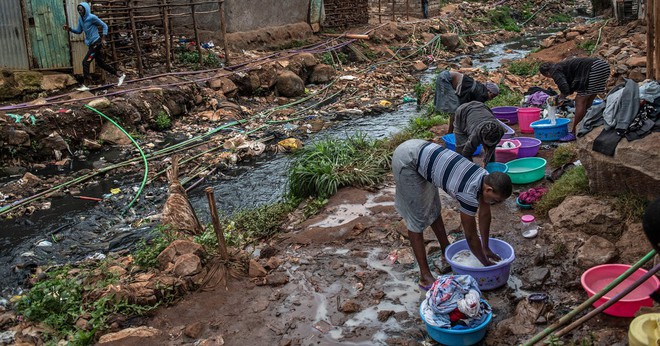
(345, 13)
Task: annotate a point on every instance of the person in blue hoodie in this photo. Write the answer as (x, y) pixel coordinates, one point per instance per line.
(89, 23)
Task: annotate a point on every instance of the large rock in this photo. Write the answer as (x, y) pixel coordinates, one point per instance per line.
(587, 214)
(636, 61)
(634, 166)
(451, 41)
(56, 81)
(54, 142)
(290, 85)
(17, 137)
(8, 87)
(186, 265)
(111, 134)
(322, 73)
(28, 80)
(127, 334)
(225, 84)
(247, 83)
(596, 250)
(633, 244)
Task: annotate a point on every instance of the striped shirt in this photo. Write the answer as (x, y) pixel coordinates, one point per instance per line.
(455, 174)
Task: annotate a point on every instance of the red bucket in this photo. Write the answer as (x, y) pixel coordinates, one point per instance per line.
(526, 116)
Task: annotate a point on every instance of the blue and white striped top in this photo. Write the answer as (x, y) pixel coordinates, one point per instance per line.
(455, 174)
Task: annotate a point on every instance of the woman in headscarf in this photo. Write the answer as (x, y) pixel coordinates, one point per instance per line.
(474, 124)
(586, 76)
(453, 89)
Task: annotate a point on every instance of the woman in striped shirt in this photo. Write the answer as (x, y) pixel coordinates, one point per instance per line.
(420, 168)
(586, 76)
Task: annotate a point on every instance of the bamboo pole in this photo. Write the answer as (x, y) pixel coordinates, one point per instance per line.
(610, 302)
(136, 41)
(547, 331)
(223, 28)
(166, 26)
(222, 244)
(393, 5)
(199, 44)
(650, 37)
(407, 9)
(656, 38)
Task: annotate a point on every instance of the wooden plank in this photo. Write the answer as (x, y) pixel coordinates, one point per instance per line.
(650, 37)
(223, 28)
(199, 44)
(380, 20)
(166, 26)
(136, 41)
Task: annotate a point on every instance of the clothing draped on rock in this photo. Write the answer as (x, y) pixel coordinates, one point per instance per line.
(454, 301)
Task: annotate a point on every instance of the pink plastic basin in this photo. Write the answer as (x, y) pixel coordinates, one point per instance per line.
(596, 278)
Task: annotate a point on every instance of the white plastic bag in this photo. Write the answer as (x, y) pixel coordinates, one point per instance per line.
(470, 304)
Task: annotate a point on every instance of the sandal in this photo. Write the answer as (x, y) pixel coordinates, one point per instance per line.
(424, 288)
(568, 138)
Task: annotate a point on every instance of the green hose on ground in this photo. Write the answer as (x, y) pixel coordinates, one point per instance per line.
(144, 157)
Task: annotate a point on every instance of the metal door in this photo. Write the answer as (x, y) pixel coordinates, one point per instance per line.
(13, 52)
(78, 47)
(50, 44)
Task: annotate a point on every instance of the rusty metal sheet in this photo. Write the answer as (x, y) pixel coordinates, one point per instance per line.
(13, 52)
(316, 12)
(50, 44)
(78, 47)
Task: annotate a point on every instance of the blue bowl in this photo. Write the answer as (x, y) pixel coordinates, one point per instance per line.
(545, 131)
(497, 167)
(450, 143)
(522, 205)
(457, 337)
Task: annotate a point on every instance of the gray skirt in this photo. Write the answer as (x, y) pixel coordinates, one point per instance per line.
(416, 199)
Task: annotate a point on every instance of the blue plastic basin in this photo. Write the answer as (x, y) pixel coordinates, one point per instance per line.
(457, 337)
(450, 143)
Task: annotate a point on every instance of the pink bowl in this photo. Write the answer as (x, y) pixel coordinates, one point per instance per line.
(595, 279)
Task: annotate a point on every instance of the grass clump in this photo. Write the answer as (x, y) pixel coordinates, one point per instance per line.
(163, 120)
(147, 250)
(573, 182)
(501, 17)
(560, 18)
(524, 67)
(563, 154)
(329, 164)
(631, 206)
(507, 97)
(422, 90)
(587, 46)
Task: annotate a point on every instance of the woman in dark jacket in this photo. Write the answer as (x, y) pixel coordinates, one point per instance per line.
(586, 76)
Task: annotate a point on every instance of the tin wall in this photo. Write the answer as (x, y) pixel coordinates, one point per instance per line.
(13, 52)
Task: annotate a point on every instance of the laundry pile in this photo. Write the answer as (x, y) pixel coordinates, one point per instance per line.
(454, 301)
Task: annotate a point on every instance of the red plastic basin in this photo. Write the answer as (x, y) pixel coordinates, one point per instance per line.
(596, 278)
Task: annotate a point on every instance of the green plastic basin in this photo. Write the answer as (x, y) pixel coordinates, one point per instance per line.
(526, 170)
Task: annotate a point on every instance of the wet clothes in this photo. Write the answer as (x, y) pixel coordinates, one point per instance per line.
(474, 124)
(447, 98)
(444, 298)
(576, 75)
(420, 168)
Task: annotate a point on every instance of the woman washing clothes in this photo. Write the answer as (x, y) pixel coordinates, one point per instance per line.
(475, 124)
(453, 89)
(585, 76)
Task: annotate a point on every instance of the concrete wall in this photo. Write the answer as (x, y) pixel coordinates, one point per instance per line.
(246, 15)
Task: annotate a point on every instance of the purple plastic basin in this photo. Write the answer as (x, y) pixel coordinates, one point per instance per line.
(488, 278)
(509, 132)
(529, 146)
(506, 112)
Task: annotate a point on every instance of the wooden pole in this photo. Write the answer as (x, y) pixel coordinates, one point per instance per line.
(393, 4)
(223, 28)
(136, 39)
(222, 244)
(407, 9)
(380, 18)
(166, 27)
(650, 37)
(656, 37)
(199, 44)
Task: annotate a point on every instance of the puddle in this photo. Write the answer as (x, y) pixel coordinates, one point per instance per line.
(346, 213)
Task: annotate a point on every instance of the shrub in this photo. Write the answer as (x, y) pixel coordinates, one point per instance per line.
(163, 120)
(501, 17)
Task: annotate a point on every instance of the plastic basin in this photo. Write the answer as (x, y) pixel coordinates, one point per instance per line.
(457, 337)
(496, 167)
(529, 146)
(526, 116)
(508, 131)
(509, 113)
(505, 155)
(526, 170)
(488, 278)
(450, 143)
(644, 330)
(545, 131)
(596, 278)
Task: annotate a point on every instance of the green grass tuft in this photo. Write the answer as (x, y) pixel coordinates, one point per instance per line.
(563, 154)
(573, 182)
(525, 68)
(501, 17)
(631, 206)
(560, 18)
(507, 97)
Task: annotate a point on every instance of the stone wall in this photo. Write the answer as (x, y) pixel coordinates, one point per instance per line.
(405, 8)
(346, 13)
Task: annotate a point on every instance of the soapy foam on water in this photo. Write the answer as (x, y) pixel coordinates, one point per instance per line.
(467, 259)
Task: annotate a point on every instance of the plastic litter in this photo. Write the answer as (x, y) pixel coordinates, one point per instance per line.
(408, 99)
(115, 190)
(97, 256)
(44, 243)
(290, 144)
(385, 103)
(208, 45)
(538, 297)
(348, 77)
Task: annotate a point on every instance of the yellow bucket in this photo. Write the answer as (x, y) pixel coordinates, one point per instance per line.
(644, 330)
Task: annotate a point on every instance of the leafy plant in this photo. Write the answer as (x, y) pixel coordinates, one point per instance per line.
(146, 251)
(524, 67)
(163, 120)
(560, 18)
(501, 17)
(421, 89)
(573, 182)
(314, 206)
(507, 97)
(587, 46)
(212, 60)
(326, 58)
(262, 221)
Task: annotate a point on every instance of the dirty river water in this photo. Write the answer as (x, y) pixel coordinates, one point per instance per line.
(74, 229)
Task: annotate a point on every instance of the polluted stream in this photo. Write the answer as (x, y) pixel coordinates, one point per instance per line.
(73, 229)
